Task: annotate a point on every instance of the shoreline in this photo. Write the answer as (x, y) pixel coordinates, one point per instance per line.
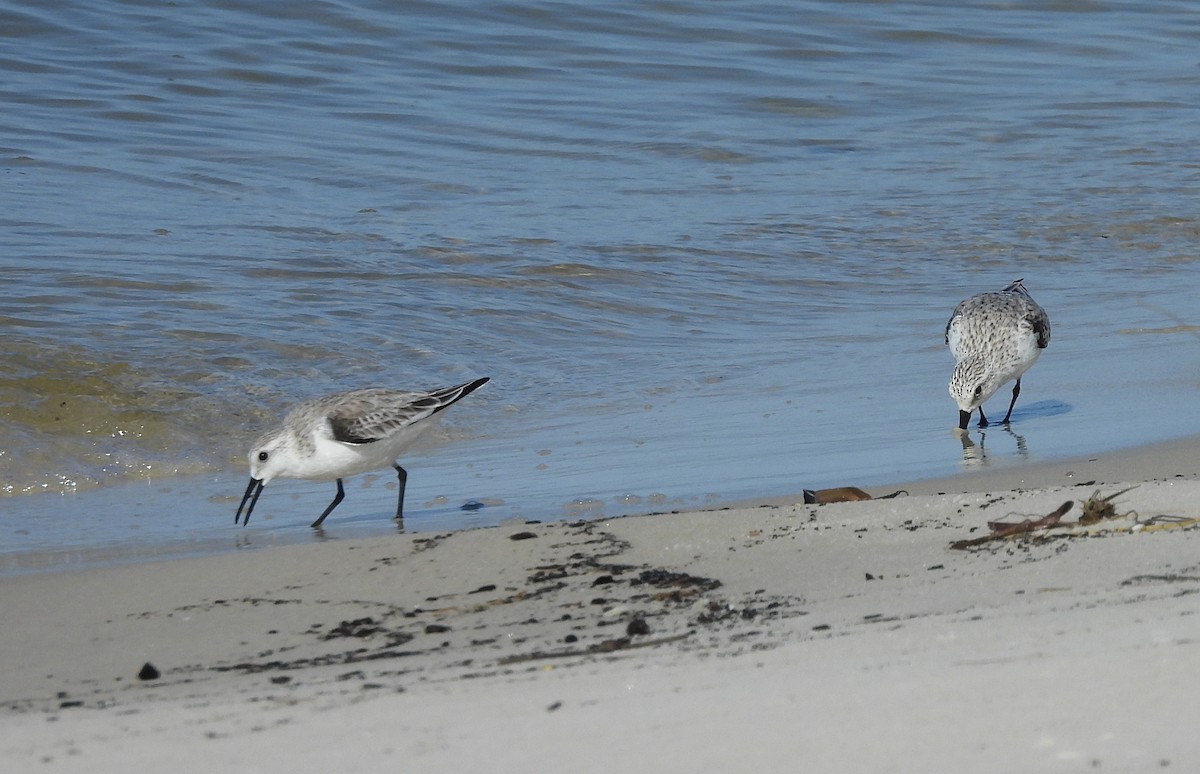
(1136, 462)
(1153, 461)
(850, 636)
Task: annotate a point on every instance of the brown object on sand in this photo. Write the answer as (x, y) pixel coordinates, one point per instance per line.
(843, 494)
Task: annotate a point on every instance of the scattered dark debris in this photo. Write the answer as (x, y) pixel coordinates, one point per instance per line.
(359, 627)
(426, 543)
(655, 590)
(1172, 578)
(822, 628)
(365, 628)
(70, 704)
(936, 567)
(661, 579)
(607, 646)
(717, 612)
(519, 596)
(556, 705)
(149, 672)
(548, 573)
(522, 536)
(637, 627)
(348, 657)
(609, 567)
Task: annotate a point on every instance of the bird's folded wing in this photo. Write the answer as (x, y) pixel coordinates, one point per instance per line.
(373, 419)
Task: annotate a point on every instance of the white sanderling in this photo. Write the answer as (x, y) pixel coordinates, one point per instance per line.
(345, 434)
(995, 337)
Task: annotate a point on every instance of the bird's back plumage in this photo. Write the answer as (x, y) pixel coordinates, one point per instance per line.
(997, 321)
(370, 415)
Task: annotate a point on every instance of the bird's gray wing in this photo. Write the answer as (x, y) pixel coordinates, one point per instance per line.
(366, 416)
(958, 312)
(1041, 327)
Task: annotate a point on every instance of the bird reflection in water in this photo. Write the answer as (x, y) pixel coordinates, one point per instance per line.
(975, 454)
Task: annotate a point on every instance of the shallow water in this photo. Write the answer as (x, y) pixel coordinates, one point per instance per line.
(705, 253)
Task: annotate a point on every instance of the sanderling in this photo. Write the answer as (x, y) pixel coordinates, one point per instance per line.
(995, 337)
(345, 434)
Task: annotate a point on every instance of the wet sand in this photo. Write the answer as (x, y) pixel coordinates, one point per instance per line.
(840, 637)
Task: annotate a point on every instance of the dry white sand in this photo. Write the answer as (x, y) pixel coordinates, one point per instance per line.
(847, 637)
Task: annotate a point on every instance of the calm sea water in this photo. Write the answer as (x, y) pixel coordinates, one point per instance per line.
(705, 251)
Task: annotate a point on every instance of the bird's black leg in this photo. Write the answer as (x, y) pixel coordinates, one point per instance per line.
(982, 419)
(337, 498)
(1016, 392)
(402, 474)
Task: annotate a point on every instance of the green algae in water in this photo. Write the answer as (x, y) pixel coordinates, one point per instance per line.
(69, 421)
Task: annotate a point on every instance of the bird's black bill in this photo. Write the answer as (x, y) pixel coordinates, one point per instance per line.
(253, 490)
(964, 418)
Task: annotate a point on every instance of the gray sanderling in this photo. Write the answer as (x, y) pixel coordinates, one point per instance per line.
(994, 337)
(345, 434)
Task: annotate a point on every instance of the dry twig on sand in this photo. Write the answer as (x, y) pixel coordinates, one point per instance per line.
(1095, 510)
(1002, 530)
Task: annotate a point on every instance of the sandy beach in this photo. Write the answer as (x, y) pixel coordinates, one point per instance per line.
(900, 634)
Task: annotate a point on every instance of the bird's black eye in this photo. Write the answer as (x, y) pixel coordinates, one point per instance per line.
(978, 392)
(262, 456)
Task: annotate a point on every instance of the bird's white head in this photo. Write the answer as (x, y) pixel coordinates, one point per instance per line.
(972, 383)
(270, 456)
